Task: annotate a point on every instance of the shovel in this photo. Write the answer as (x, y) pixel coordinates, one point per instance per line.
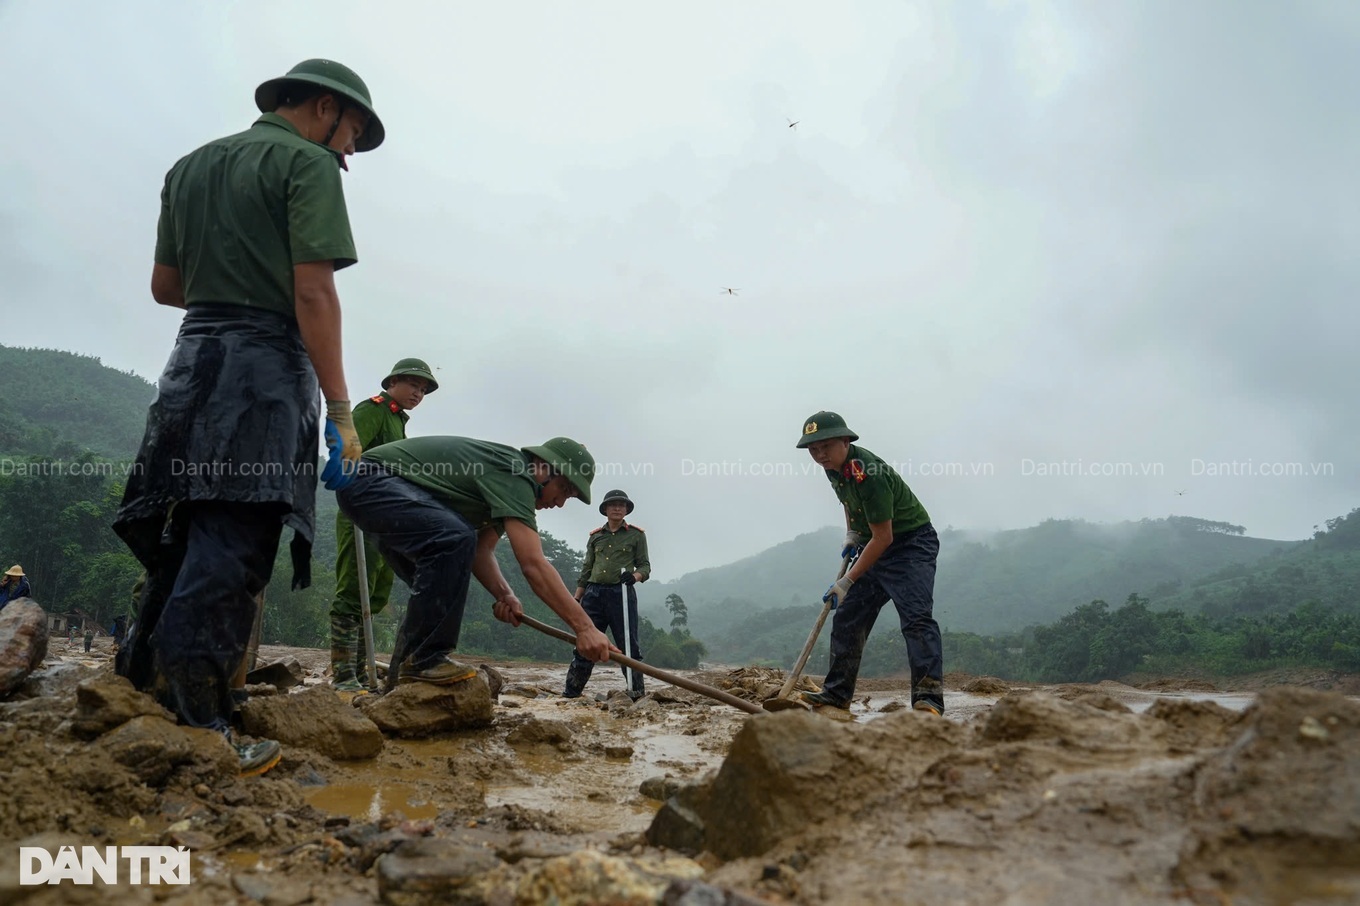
(361, 561)
(624, 661)
(782, 702)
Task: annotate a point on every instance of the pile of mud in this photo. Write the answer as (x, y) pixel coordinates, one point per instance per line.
(523, 797)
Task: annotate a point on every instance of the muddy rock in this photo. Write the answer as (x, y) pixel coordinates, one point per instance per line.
(986, 685)
(1040, 716)
(423, 709)
(1277, 811)
(153, 748)
(315, 719)
(108, 701)
(537, 731)
(284, 674)
(434, 871)
(660, 788)
(1189, 725)
(495, 681)
(697, 893)
(589, 877)
(53, 680)
(23, 642)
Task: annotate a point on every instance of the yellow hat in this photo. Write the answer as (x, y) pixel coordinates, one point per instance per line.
(16, 570)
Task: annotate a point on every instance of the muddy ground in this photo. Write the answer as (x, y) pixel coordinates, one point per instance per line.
(1180, 790)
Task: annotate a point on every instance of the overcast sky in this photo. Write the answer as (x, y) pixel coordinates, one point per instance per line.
(1032, 240)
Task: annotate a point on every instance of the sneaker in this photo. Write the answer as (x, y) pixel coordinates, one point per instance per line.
(258, 757)
(927, 707)
(443, 672)
(821, 699)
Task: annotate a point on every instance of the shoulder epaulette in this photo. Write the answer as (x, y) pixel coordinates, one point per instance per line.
(636, 526)
(376, 399)
(595, 530)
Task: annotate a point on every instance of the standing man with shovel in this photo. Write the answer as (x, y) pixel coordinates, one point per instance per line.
(616, 558)
(378, 420)
(898, 562)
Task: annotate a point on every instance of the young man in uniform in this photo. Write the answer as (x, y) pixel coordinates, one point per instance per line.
(252, 229)
(437, 507)
(897, 562)
(378, 420)
(616, 558)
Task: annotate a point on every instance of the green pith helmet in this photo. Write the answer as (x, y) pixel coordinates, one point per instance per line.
(824, 426)
(570, 459)
(411, 368)
(332, 76)
(614, 497)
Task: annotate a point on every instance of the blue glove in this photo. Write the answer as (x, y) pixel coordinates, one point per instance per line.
(852, 545)
(837, 592)
(343, 442)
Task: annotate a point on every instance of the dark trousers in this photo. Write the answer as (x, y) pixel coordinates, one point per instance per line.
(198, 607)
(906, 575)
(428, 545)
(604, 605)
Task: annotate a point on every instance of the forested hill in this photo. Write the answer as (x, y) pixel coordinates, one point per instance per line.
(989, 583)
(55, 403)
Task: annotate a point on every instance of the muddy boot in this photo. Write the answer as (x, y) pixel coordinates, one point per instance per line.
(361, 661)
(344, 643)
(578, 674)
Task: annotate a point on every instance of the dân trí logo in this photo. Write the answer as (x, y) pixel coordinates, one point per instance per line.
(145, 864)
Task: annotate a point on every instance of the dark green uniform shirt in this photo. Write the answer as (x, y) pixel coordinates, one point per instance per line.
(872, 491)
(483, 482)
(239, 212)
(608, 554)
(379, 420)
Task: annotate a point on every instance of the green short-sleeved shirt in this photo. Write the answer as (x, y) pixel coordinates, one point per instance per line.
(872, 491)
(483, 482)
(239, 212)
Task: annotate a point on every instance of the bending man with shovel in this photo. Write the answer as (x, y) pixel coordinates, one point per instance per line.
(898, 562)
(616, 558)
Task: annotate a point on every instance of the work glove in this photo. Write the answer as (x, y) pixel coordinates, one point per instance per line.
(852, 545)
(627, 578)
(343, 442)
(837, 592)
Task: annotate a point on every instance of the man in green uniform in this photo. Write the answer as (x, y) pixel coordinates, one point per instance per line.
(897, 562)
(437, 507)
(616, 558)
(378, 420)
(252, 229)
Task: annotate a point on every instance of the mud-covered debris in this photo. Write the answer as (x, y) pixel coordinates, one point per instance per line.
(755, 684)
(434, 871)
(660, 788)
(423, 709)
(284, 674)
(153, 749)
(23, 642)
(107, 701)
(315, 719)
(589, 877)
(697, 893)
(495, 680)
(540, 731)
(618, 750)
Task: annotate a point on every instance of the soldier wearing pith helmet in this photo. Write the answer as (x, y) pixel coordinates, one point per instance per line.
(436, 508)
(253, 227)
(616, 558)
(380, 419)
(894, 548)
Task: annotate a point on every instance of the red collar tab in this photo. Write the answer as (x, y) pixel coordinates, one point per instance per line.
(854, 469)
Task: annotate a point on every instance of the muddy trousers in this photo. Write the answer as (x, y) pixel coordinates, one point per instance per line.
(428, 545)
(198, 607)
(906, 575)
(604, 605)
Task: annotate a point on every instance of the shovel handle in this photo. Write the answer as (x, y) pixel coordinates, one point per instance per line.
(655, 672)
(812, 636)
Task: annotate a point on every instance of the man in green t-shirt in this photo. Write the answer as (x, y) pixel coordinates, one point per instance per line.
(897, 547)
(437, 507)
(378, 420)
(252, 229)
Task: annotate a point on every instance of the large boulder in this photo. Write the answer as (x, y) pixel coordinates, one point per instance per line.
(23, 642)
(316, 719)
(107, 701)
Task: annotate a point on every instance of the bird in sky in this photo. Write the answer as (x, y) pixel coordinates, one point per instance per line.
(793, 124)
(728, 290)
(1180, 493)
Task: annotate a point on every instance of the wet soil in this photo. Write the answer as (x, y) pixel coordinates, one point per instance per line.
(1158, 790)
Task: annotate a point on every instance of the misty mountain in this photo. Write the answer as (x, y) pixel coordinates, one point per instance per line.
(987, 582)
